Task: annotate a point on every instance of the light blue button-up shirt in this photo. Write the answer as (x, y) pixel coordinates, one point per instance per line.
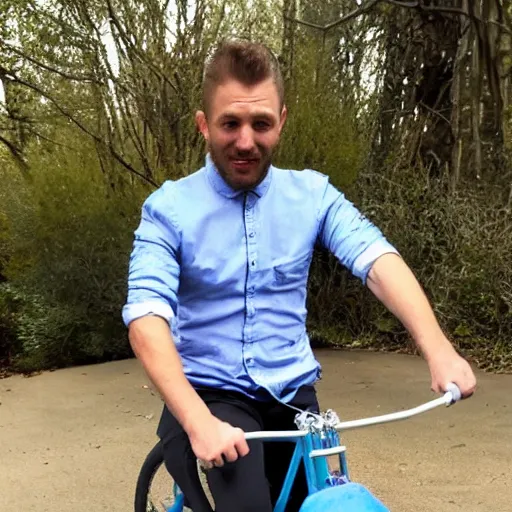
(228, 269)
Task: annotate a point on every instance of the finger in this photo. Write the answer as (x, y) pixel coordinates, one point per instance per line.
(468, 384)
(468, 389)
(465, 392)
(218, 462)
(436, 388)
(242, 447)
(240, 443)
(231, 454)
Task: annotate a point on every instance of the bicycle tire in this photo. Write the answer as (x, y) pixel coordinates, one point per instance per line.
(150, 466)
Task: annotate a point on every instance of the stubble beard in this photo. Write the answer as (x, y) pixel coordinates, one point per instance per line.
(263, 167)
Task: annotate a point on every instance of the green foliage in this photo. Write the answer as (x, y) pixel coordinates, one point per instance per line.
(70, 257)
(9, 344)
(4, 242)
(458, 245)
(324, 137)
(67, 220)
(324, 131)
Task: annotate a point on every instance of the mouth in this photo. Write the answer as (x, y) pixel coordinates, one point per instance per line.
(244, 164)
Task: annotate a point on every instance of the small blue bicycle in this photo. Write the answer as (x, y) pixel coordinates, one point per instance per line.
(317, 445)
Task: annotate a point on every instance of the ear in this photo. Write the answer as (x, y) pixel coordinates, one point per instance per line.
(202, 124)
(284, 114)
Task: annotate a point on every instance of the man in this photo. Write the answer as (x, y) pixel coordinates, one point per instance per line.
(217, 291)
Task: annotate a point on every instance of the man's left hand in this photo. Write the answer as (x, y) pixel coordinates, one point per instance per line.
(447, 367)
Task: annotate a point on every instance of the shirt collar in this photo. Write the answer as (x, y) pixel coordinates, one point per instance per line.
(218, 183)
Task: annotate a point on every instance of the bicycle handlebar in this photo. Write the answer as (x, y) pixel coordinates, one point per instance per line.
(451, 396)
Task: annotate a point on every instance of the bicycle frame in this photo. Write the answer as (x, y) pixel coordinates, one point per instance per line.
(313, 447)
(312, 450)
(309, 449)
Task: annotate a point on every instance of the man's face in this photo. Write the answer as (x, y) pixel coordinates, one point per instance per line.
(242, 128)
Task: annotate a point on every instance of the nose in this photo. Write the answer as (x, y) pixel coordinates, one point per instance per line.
(245, 139)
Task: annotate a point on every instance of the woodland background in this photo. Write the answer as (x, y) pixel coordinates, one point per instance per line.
(405, 104)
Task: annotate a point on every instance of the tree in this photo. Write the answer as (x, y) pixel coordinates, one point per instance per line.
(439, 57)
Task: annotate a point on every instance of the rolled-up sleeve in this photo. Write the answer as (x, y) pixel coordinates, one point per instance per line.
(153, 276)
(349, 235)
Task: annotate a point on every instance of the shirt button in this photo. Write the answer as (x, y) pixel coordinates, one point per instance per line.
(251, 289)
(250, 361)
(251, 235)
(253, 263)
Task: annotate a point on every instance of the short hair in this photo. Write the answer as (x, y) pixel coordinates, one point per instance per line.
(247, 62)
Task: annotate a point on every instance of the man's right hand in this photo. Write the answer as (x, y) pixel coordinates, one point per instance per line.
(214, 441)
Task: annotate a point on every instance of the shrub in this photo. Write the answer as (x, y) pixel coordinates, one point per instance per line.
(459, 246)
(71, 241)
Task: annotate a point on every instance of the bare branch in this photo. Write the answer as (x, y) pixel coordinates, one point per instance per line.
(402, 4)
(82, 127)
(15, 152)
(70, 28)
(151, 66)
(47, 139)
(363, 9)
(69, 76)
(305, 23)
(434, 112)
(353, 14)
(134, 136)
(460, 12)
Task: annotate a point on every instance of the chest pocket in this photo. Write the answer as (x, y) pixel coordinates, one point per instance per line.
(293, 271)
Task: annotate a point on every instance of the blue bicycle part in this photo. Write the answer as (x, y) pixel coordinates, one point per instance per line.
(350, 497)
(317, 441)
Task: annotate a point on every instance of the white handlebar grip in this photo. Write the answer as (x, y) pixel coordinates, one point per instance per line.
(455, 391)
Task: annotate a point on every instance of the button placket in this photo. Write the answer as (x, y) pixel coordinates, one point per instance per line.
(252, 265)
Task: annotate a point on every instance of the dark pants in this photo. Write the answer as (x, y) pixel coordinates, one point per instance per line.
(253, 482)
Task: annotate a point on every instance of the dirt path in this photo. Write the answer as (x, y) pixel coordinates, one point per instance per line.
(73, 440)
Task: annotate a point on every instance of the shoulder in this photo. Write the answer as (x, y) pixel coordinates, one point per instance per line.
(307, 180)
(171, 192)
(164, 205)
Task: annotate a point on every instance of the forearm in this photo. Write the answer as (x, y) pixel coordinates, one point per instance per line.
(394, 284)
(152, 343)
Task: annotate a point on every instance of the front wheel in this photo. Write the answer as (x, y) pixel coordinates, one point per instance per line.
(156, 491)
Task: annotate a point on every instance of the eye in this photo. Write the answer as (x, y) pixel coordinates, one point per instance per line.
(261, 126)
(230, 125)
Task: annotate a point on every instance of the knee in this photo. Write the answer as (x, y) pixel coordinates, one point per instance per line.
(233, 494)
(178, 455)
